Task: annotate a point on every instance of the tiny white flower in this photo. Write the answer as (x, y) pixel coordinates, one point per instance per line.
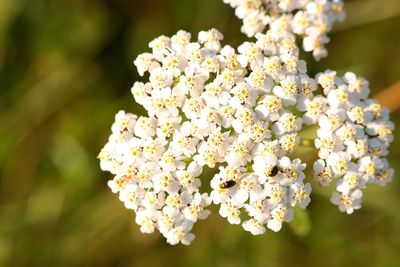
(347, 202)
(161, 78)
(230, 212)
(254, 227)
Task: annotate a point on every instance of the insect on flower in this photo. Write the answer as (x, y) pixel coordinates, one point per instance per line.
(274, 171)
(227, 184)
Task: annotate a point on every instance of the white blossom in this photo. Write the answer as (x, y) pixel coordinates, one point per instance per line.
(353, 139)
(239, 115)
(311, 19)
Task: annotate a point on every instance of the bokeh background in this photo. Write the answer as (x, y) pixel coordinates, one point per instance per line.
(66, 67)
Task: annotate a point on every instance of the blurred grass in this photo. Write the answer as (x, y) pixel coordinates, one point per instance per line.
(66, 69)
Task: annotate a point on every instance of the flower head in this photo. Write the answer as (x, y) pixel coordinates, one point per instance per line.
(353, 139)
(239, 113)
(311, 19)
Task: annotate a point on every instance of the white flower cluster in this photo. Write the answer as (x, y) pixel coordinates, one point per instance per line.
(152, 179)
(237, 114)
(209, 106)
(311, 19)
(353, 138)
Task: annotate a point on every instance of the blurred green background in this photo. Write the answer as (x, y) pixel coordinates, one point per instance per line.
(66, 69)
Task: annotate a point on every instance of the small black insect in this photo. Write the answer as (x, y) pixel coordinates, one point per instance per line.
(274, 171)
(227, 184)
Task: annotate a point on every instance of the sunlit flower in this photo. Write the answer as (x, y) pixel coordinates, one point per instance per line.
(353, 139)
(229, 120)
(311, 19)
